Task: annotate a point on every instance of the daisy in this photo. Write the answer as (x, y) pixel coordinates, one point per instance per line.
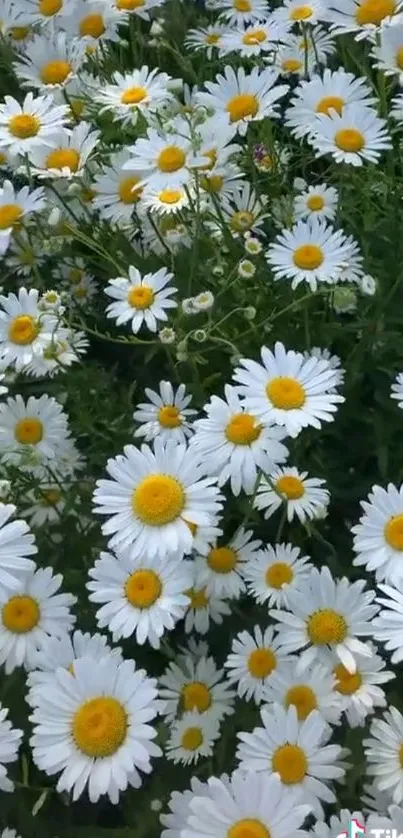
(193, 736)
(294, 59)
(326, 616)
(10, 740)
(16, 543)
(214, 147)
(24, 330)
(388, 54)
(152, 496)
(36, 428)
(253, 661)
(254, 804)
(46, 503)
(287, 389)
(84, 291)
(116, 193)
(221, 568)
(30, 125)
(296, 751)
(93, 726)
(333, 361)
(60, 353)
(43, 11)
(383, 752)
(93, 21)
(396, 108)
(272, 572)
(323, 94)
(302, 496)
(313, 690)
(24, 255)
(243, 211)
(165, 201)
(208, 39)
(163, 159)
(340, 824)
(203, 608)
(195, 686)
(12, 17)
(356, 136)
(234, 446)
(316, 202)
(312, 252)
(239, 12)
(166, 415)
(179, 810)
(397, 390)
(378, 538)
(221, 185)
(388, 625)
(297, 11)
(137, 92)
(70, 154)
(30, 613)
(14, 206)
(365, 17)
(242, 97)
(360, 691)
(49, 63)
(141, 299)
(254, 40)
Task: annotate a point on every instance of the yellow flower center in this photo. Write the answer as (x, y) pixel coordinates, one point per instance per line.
(23, 330)
(291, 65)
(171, 158)
(50, 497)
(242, 429)
(261, 663)
(315, 203)
(133, 95)
(75, 276)
(130, 5)
(24, 125)
(374, 11)
(212, 39)
(303, 698)
(394, 532)
(92, 25)
(329, 103)
(195, 696)
(285, 393)
(326, 627)
(248, 828)
(169, 196)
(141, 297)
(241, 106)
(290, 762)
(48, 8)
(242, 5)
(55, 72)
(19, 33)
(142, 588)
(29, 431)
(347, 683)
(242, 220)
(10, 214)
(81, 293)
(158, 500)
(222, 559)
(129, 191)
(301, 13)
(279, 573)
(99, 727)
(169, 416)
(20, 614)
(308, 257)
(63, 158)
(213, 183)
(198, 598)
(349, 139)
(257, 36)
(192, 738)
(290, 486)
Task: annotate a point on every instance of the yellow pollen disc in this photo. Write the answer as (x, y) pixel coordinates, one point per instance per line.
(158, 500)
(248, 828)
(279, 574)
(143, 588)
(170, 196)
(130, 5)
(92, 25)
(24, 125)
(198, 598)
(261, 663)
(290, 486)
(291, 65)
(29, 431)
(55, 72)
(347, 683)
(192, 738)
(301, 13)
(241, 106)
(329, 103)
(214, 183)
(242, 221)
(222, 559)
(169, 416)
(171, 158)
(48, 8)
(195, 696)
(308, 257)
(62, 158)
(81, 293)
(303, 699)
(349, 139)
(133, 95)
(394, 532)
(242, 429)
(257, 36)
(99, 727)
(286, 393)
(212, 39)
(242, 5)
(141, 297)
(20, 614)
(128, 193)
(19, 33)
(10, 214)
(315, 203)
(326, 627)
(23, 330)
(75, 276)
(399, 58)
(290, 762)
(374, 11)
(50, 497)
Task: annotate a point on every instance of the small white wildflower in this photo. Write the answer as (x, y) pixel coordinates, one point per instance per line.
(188, 305)
(5, 489)
(344, 300)
(54, 217)
(253, 246)
(167, 335)
(246, 268)
(250, 312)
(204, 301)
(368, 285)
(218, 270)
(199, 335)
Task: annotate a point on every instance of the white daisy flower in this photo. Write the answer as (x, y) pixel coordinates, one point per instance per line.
(203, 301)
(10, 740)
(16, 543)
(396, 108)
(378, 538)
(304, 497)
(164, 201)
(257, 804)
(327, 615)
(152, 497)
(388, 53)
(221, 568)
(30, 613)
(163, 159)
(323, 94)
(49, 62)
(179, 810)
(30, 125)
(294, 59)
(242, 211)
(397, 390)
(375, 801)
(16, 205)
(365, 17)
(93, 21)
(116, 193)
(240, 12)
(388, 625)
(384, 753)
(274, 571)
(195, 685)
(339, 825)
(311, 690)
(333, 360)
(33, 431)
(360, 691)
(141, 299)
(253, 661)
(144, 598)
(193, 736)
(296, 751)
(208, 38)
(298, 11)
(61, 353)
(204, 608)
(93, 726)
(141, 8)
(46, 505)
(43, 11)
(254, 40)
(84, 291)
(287, 389)
(137, 92)
(166, 415)
(356, 136)
(9, 833)
(69, 157)
(13, 17)
(316, 202)
(242, 97)
(24, 330)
